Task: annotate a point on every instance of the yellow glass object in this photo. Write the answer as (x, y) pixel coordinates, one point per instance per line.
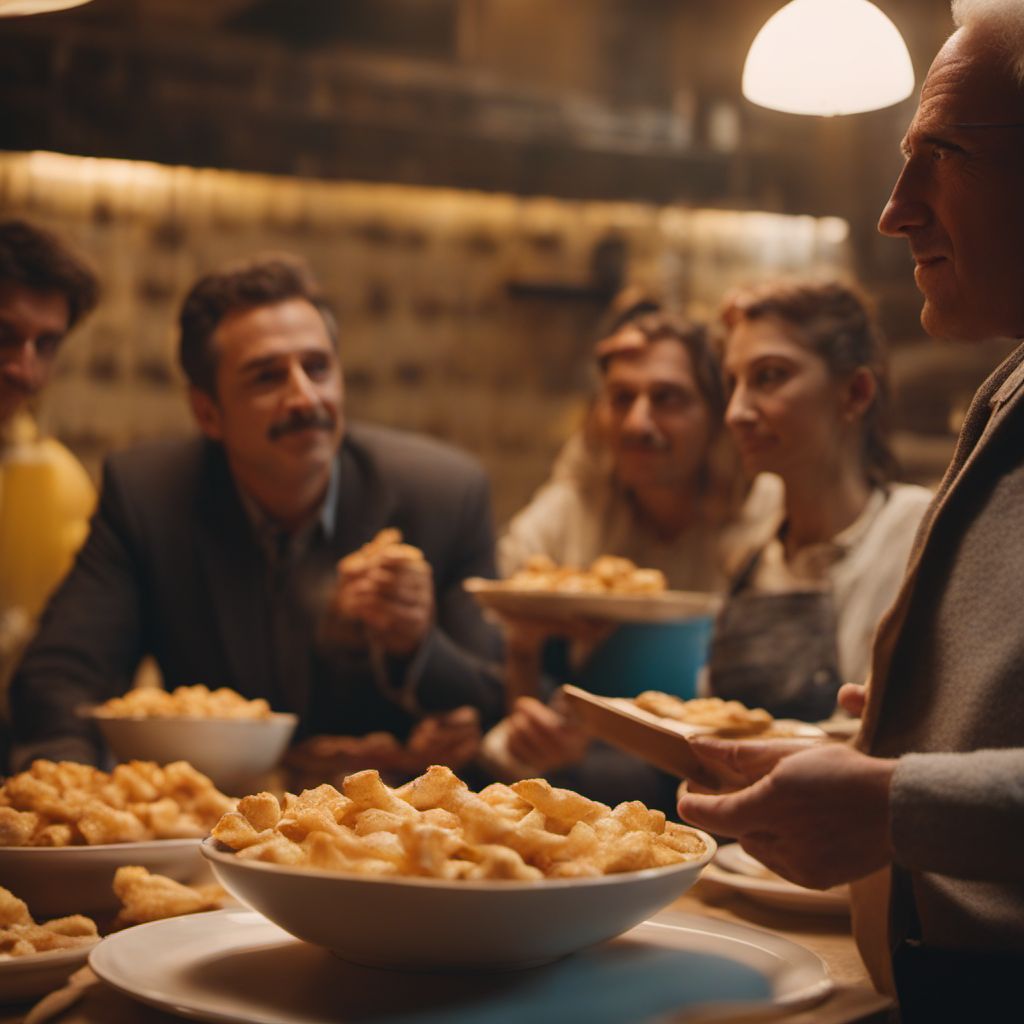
(46, 498)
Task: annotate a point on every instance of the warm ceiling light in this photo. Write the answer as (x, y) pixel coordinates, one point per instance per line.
(828, 57)
(12, 8)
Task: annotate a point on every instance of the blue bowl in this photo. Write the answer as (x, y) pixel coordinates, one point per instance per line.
(666, 656)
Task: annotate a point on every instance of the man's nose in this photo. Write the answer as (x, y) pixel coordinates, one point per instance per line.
(301, 391)
(639, 418)
(906, 208)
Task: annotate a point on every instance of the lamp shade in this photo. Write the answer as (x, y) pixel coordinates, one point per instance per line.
(828, 57)
(13, 8)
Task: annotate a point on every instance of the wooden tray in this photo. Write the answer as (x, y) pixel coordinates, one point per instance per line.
(658, 741)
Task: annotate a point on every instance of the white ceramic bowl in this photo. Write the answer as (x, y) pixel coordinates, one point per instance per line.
(430, 924)
(58, 880)
(28, 977)
(233, 752)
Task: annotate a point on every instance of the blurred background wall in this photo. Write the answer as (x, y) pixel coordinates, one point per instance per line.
(471, 179)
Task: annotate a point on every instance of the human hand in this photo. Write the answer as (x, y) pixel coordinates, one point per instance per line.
(450, 738)
(820, 817)
(390, 594)
(735, 764)
(326, 758)
(852, 697)
(538, 736)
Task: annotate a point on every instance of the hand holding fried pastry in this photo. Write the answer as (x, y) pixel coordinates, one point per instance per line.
(819, 817)
(387, 589)
(324, 758)
(449, 737)
(539, 736)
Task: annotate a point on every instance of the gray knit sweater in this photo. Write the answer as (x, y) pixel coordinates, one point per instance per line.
(948, 690)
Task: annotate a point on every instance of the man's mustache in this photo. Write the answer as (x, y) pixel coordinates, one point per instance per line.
(644, 443)
(315, 419)
(15, 383)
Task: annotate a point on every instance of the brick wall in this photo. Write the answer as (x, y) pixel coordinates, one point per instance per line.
(468, 316)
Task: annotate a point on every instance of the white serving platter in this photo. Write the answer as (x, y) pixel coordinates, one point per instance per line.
(233, 965)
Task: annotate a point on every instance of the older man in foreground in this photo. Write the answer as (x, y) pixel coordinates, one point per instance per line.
(936, 788)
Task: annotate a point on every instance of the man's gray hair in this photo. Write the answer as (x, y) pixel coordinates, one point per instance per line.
(1004, 19)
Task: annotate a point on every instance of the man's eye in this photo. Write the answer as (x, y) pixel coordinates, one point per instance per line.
(317, 369)
(942, 151)
(47, 346)
(669, 400)
(262, 378)
(769, 376)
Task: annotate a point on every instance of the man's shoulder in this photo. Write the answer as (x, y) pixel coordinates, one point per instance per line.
(169, 464)
(402, 454)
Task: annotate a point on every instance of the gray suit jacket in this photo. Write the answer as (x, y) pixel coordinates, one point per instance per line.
(172, 569)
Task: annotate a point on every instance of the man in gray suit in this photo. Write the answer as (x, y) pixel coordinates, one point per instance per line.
(936, 789)
(219, 556)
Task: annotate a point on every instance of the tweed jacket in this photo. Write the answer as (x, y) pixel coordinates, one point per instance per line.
(947, 692)
(172, 568)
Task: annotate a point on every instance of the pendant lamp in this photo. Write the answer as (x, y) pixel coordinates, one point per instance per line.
(14, 8)
(828, 57)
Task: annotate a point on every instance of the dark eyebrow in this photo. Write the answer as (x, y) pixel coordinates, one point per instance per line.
(260, 363)
(988, 124)
(928, 140)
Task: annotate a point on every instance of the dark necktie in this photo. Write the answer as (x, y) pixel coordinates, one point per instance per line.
(291, 632)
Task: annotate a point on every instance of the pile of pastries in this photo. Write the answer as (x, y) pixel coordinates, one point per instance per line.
(608, 574)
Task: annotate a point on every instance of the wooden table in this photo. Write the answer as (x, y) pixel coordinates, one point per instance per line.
(853, 1002)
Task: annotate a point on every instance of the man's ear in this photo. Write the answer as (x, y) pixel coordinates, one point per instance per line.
(861, 388)
(207, 413)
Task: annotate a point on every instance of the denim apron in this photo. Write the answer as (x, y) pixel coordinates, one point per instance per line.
(776, 651)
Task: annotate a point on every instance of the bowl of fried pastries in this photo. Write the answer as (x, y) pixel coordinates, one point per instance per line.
(37, 957)
(434, 876)
(66, 828)
(233, 740)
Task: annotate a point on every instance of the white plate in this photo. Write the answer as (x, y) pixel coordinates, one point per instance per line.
(667, 606)
(233, 965)
(58, 880)
(735, 868)
(26, 977)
